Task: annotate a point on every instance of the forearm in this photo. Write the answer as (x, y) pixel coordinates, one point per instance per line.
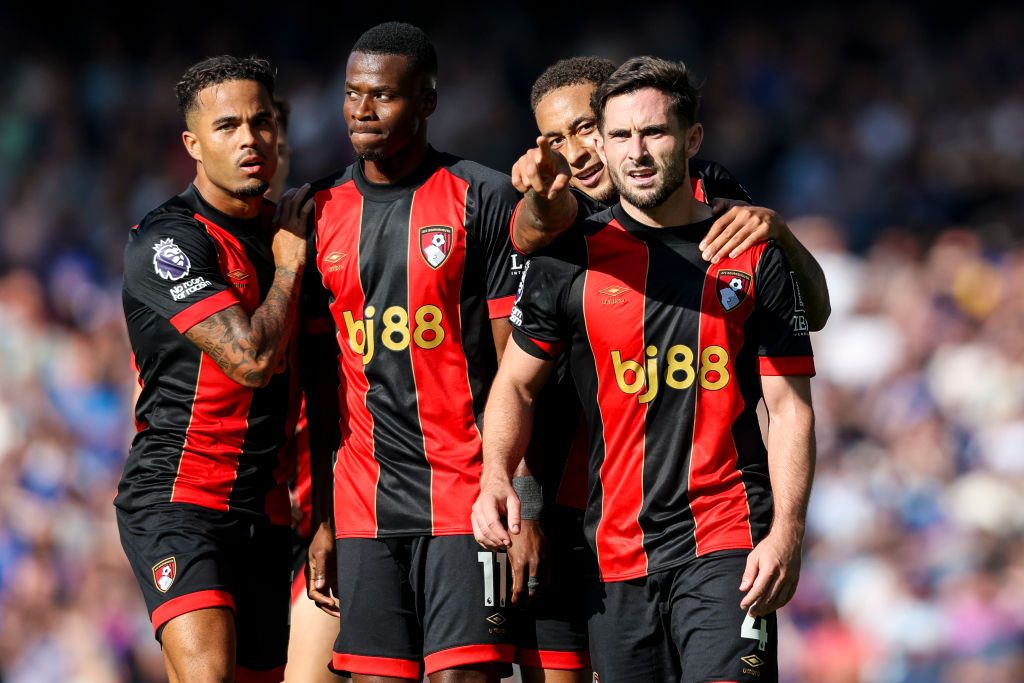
(272, 323)
(791, 457)
(508, 421)
(813, 287)
(539, 221)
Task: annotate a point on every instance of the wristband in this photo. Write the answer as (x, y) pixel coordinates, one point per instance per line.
(531, 497)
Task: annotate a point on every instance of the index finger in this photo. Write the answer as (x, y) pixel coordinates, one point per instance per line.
(544, 145)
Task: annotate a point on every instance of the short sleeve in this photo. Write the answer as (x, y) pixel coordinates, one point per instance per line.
(713, 181)
(497, 200)
(780, 323)
(171, 266)
(539, 321)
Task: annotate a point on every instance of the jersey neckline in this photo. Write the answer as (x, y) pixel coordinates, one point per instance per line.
(239, 226)
(384, 192)
(690, 232)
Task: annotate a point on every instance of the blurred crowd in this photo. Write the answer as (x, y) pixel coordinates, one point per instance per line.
(891, 138)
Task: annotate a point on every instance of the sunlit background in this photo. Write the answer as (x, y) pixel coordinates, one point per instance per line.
(891, 138)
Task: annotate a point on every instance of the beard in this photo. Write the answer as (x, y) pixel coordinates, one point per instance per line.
(606, 195)
(371, 154)
(670, 178)
(254, 189)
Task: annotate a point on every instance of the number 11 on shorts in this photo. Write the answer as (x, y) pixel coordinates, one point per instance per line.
(488, 559)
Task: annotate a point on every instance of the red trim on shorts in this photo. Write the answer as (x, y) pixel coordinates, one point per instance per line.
(299, 585)
(376, 666)
(201, 310)
(190, 602)
(553, 659)
(786, 365)
(243, 675)
(501, 308)
(468, 654)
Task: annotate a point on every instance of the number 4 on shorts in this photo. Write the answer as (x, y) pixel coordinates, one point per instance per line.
(759, 634)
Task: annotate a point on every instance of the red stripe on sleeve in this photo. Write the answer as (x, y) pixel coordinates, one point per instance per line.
(615, 259)
(718, 497)
(786, 365)
(512, 228)
(500, 308)
(201, 310)
(339, 214)
(552, 349)
(444, 399)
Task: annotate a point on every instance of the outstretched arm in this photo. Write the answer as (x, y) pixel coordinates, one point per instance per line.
(249, 348)
(741, 226)
(548, 207)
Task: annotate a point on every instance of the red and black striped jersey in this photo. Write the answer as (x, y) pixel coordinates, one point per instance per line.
(412, 274)
(667, 353)
(202, 438)
(557, 451)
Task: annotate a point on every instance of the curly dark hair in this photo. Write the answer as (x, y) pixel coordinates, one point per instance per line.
(404, 40)
(214, 70)
(571, 71)
(671, 78)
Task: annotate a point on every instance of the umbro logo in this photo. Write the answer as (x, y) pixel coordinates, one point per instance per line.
(496, 619)
(752, 660)
(613, 294)
(334, 260)
(238, 274)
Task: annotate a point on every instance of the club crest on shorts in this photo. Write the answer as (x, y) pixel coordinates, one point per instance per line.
(435, 244)
(164, 573)
(170, 261)
(733, 287)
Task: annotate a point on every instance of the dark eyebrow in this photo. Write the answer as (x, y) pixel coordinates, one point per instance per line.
(224, 119)
(580, 120)
(618, 131)
(647, 130)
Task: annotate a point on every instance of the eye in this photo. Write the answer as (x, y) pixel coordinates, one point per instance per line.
(556, 142)
(585, 129)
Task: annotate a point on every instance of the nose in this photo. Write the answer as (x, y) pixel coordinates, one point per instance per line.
(361, 109)
(247, 135)
(636, 148)
(576, 152)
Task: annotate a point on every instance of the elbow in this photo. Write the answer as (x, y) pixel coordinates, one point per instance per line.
(254, 377)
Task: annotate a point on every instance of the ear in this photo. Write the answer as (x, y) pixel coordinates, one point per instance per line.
(428, 103)
(599, 146)
(694, 138)
(192, 146)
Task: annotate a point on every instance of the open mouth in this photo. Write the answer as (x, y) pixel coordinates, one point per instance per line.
(253, 164)
(590, 176)
(641, 176)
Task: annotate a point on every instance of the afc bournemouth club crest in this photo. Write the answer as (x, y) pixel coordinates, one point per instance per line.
(435, 244)
(733, 287)
(164, 573)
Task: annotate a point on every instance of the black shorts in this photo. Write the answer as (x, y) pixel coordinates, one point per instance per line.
(551, 633)
(421, 604)
(683, 624)
(188, 558)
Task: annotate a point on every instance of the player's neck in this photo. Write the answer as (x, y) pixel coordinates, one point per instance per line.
(681, 208)
(225, 202)
(399, 166)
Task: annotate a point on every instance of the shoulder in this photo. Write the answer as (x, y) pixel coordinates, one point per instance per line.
(169, 230)
(332, 180)
(485, 181)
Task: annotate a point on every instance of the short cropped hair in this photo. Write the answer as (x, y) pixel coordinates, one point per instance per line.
(571, 71)
(404, 40)
(215, 70)
(671, 78)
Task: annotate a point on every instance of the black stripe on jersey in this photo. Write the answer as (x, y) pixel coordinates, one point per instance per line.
(403, 492)
(671, 317)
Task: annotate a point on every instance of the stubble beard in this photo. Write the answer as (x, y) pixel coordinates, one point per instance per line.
(671, 179)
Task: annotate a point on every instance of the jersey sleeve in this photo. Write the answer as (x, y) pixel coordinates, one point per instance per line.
(539, 321)
(171, 266)
(781, 329)
(496, 202)
(714, 181)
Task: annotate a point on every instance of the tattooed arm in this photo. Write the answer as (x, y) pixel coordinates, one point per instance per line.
(249, 349)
